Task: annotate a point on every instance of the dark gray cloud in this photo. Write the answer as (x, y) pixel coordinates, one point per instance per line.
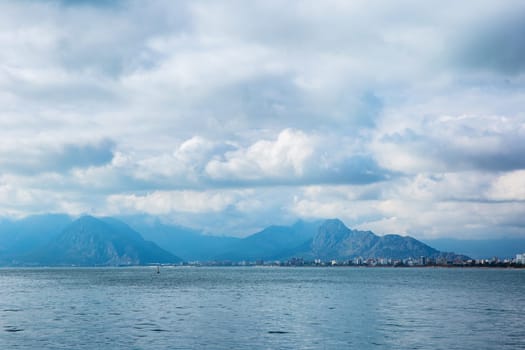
(58, 160)
(508, 157)
(465, 148)
(104, 42)
(360, 169)
(495, 44)
(82, 155)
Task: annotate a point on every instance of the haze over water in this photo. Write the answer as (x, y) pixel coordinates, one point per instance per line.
(261, 308)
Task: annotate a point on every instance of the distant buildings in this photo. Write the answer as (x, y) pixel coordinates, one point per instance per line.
(422, 261)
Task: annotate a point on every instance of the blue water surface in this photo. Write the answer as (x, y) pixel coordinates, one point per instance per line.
(261, 308)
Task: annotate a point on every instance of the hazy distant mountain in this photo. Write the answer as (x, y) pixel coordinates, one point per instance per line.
(336, 241)
(56, 239)
(89, 241)
(482, 249)
(271, 243)
(19, 237)
(189, 244)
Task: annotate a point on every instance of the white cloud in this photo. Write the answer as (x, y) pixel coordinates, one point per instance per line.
(452, 143)
(164, 202)
(282, 158)
(509, 186)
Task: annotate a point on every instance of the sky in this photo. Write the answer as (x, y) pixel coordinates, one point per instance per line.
(400, 117)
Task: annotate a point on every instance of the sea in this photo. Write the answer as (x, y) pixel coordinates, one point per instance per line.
(262, 308)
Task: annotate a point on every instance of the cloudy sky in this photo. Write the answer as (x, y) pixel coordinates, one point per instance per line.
(396, 116)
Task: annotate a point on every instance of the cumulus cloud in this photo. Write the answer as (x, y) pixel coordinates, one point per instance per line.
(282, 158)
(509, 186)
(184, 166)
(296, 157)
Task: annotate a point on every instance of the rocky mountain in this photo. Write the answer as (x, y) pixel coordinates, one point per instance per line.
(336, 241)
(89, 241)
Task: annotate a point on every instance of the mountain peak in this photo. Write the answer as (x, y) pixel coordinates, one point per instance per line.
(87, 220)
(333, 224)
(93, 241)
(87, 217)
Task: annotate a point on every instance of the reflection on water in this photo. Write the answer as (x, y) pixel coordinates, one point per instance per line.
(261, 308)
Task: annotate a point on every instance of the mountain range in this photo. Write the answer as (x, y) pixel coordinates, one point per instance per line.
(137, 240)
